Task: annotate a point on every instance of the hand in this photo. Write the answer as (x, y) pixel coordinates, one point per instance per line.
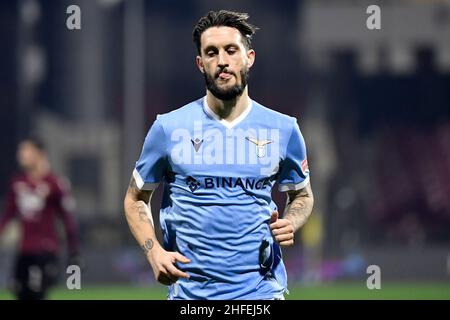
(163, 265)
(282, 230)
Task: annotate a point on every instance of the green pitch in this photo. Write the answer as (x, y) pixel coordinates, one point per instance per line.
(344, 291)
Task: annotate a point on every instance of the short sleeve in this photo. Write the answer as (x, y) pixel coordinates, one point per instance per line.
(64, 194)
(66, 206)
(294, 171)
(150, 167)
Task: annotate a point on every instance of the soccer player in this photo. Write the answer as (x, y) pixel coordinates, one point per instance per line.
(37, 198)
(219, 158)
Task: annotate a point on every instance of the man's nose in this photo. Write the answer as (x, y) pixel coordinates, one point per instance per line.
(223, 59)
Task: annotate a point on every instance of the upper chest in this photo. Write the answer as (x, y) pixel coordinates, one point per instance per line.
(31, 197)
(252, 148)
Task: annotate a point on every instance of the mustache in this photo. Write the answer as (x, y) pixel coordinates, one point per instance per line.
(224, 70)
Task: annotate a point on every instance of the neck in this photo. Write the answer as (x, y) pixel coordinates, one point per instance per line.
(39, 171)
(228, 109)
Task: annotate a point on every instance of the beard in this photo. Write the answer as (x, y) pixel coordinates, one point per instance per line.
(230, 93)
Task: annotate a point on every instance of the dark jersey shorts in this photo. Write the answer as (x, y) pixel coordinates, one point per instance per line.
(34, 274)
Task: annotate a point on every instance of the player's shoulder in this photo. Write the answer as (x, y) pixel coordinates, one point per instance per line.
(188, 111)
(17, 177)
(274, 117)
(16, 180)
(60, 182)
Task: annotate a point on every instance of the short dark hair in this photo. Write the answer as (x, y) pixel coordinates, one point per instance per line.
(225, 18)
(36, 141)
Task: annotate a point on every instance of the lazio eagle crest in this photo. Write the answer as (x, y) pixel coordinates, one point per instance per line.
(260, 146)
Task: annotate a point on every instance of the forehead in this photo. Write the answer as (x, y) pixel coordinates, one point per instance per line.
(27, 145)
(220, 36)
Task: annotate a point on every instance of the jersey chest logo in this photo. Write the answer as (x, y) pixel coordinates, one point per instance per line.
(31, 201)
(260, 146)
(201, 145)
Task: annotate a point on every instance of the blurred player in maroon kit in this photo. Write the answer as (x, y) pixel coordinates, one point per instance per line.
(37, 198)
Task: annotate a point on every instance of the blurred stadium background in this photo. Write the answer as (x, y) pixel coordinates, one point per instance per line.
(374, 107)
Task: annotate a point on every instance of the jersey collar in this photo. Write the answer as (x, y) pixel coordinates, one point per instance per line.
(228, 124)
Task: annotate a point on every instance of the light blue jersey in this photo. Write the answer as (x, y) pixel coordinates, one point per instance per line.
(218, 178)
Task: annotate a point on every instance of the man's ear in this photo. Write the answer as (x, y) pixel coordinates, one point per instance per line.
(199, 62)
(251, 57)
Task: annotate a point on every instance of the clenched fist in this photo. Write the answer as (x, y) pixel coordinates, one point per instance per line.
(282, 230)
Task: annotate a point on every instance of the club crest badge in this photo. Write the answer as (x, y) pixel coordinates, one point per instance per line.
(260, 146)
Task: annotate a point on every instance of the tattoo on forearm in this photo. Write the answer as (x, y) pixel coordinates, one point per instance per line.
(299, 206)
(143, 212)
(144, 218)
(138, 215)
(298, 212)
(141, 200)
(147, 246)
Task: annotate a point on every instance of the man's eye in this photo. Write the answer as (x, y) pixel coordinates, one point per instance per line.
(210, 53)
(231, 51)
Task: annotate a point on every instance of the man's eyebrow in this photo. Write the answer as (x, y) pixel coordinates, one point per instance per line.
(210, 47)
(230, 45)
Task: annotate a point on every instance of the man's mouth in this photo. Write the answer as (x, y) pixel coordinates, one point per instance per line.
(224, 75)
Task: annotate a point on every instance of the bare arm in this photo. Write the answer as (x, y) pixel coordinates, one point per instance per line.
(137, 212)
(298, 209)
(299, 206)
(140, 221)
(66, 209)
